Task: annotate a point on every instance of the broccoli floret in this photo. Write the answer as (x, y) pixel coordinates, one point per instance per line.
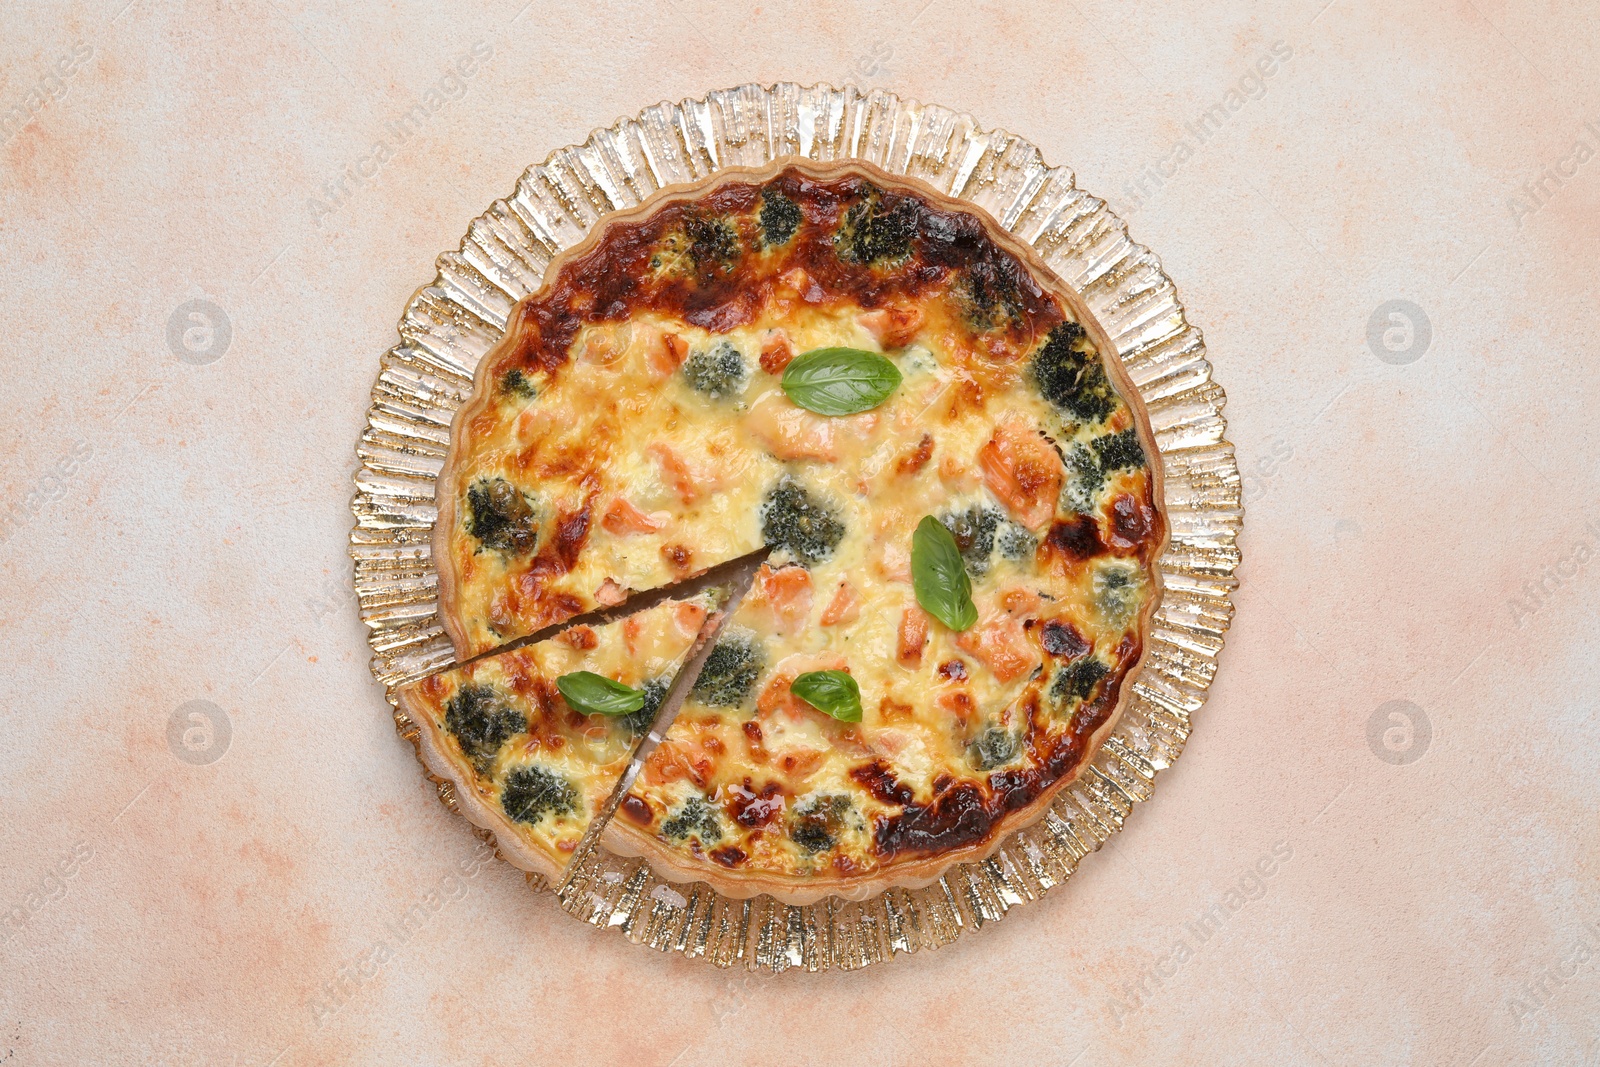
(501, 516)
(696, 818)
(1116, 592)
(993, 748)
(1014, 541)
(1076, 681)
(655, 691)
(1073, 380)
(515, 383)
(1080, 490)
(1087, 467)
(1117, 451)
(481, 721)
(793, 519)
(729, 673)
(974, 531)
(531, 793)
(780, 217)
(812, 835)
(873, 232)
(819, 822)
(986, 293)
(717, 371)
(713, 242)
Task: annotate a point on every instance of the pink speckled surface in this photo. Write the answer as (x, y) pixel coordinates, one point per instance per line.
(173, 530)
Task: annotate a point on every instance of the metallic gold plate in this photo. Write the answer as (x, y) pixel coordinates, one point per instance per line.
(450, 323)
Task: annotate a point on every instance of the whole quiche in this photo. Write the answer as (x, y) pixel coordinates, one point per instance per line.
(916, 437)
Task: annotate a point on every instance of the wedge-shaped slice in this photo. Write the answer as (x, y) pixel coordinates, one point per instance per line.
(526, 764)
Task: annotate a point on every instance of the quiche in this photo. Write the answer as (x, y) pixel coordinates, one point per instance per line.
(525, 763)
(927, 439)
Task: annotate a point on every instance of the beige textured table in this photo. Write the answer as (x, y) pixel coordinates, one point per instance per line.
(1380, 845)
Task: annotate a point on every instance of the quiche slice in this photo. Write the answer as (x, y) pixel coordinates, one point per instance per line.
(821, 359)
(526, 764)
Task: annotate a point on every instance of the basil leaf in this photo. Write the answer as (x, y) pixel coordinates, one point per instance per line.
(840, 381)
(834, 692)
(939, 576)
(595, 694)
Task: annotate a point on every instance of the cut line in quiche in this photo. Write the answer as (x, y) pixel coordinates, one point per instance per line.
(526, 763)
(955, 480)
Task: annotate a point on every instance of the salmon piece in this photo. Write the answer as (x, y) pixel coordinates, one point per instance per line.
(776, 352)
(680, 558)
(677, 758)
(894, 563)
(891, 742)
(753, 741)
(690, 483)
(913, 461)
(622, 518)
(776, 699)
(894, 327)
(644, 633)
(913, 635)
(632, 631)
(795, 282)
(845, 607)
(537, 421)
(610, 594)
(892, 710)
(581, 638)
(689, 619)
(1022, 469)
(800, 764)
(959, 704)
(791, 432)
(1000, 643)
(666, 355)
(1020, 601)
(956, 476)
(603, 345)
(785, 594)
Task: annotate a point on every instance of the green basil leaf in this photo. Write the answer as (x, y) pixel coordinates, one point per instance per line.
(840, 381)
(595, 694)
(834, 692)
(939, 576)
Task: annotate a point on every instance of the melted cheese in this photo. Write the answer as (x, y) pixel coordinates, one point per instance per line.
(651, 448)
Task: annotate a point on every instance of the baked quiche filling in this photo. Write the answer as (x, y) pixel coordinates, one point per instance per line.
(817, 365)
